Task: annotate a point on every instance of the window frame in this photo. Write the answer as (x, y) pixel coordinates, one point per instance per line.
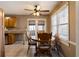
(36, 24)
(56, 13)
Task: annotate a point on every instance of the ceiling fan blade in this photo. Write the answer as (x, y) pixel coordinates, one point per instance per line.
(28, 9)
(30, 14)
(44, 10)
(43, 14)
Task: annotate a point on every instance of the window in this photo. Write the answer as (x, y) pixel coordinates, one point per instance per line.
(60, 23)
(63, 31)
(34, 26)
(41, 25)
(31, 28)
(54, 25)
(63, 23)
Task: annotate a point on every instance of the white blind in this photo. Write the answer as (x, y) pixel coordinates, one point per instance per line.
(31, 22)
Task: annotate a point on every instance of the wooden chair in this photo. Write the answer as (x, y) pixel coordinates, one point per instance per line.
(44, 44)
(31, 42)
(57, 46)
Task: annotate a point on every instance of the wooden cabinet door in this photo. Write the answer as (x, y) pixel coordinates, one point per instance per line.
(11, 38)
(10, 22)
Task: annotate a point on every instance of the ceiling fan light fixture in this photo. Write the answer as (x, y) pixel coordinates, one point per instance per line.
(36, 10)
(37, 14)
(38, 7)
(34, 14)
(7, 17)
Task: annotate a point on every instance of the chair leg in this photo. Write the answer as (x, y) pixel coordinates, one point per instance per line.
(35, 50)
(28, 49)
(49, 52)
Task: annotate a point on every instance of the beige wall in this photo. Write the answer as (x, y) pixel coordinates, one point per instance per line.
(72, 21)
(21, 22)
(1, 33)
(77, 28)
(71, 49)
(48, 23)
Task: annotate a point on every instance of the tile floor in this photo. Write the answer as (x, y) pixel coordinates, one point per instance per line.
(19, 50)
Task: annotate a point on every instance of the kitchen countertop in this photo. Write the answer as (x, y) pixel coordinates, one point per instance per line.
(16, 31)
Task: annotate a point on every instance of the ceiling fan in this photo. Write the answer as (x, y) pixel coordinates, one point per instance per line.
(37, 10)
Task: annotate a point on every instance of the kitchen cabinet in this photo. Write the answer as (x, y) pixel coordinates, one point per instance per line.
(10, 38)
(10, 22)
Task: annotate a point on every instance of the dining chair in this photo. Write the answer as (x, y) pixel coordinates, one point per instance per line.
(44, 44)
(31, 42)
(57, 46)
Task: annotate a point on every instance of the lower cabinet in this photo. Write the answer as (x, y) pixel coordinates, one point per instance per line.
(10, 38)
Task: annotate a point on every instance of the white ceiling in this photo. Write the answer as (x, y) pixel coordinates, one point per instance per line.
(17, 7)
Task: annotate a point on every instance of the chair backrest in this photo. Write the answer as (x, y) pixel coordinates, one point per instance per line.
(57, 38)
(28, 36)
(45, 37)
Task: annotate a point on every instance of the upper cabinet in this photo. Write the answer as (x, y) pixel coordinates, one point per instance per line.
(10, 22)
